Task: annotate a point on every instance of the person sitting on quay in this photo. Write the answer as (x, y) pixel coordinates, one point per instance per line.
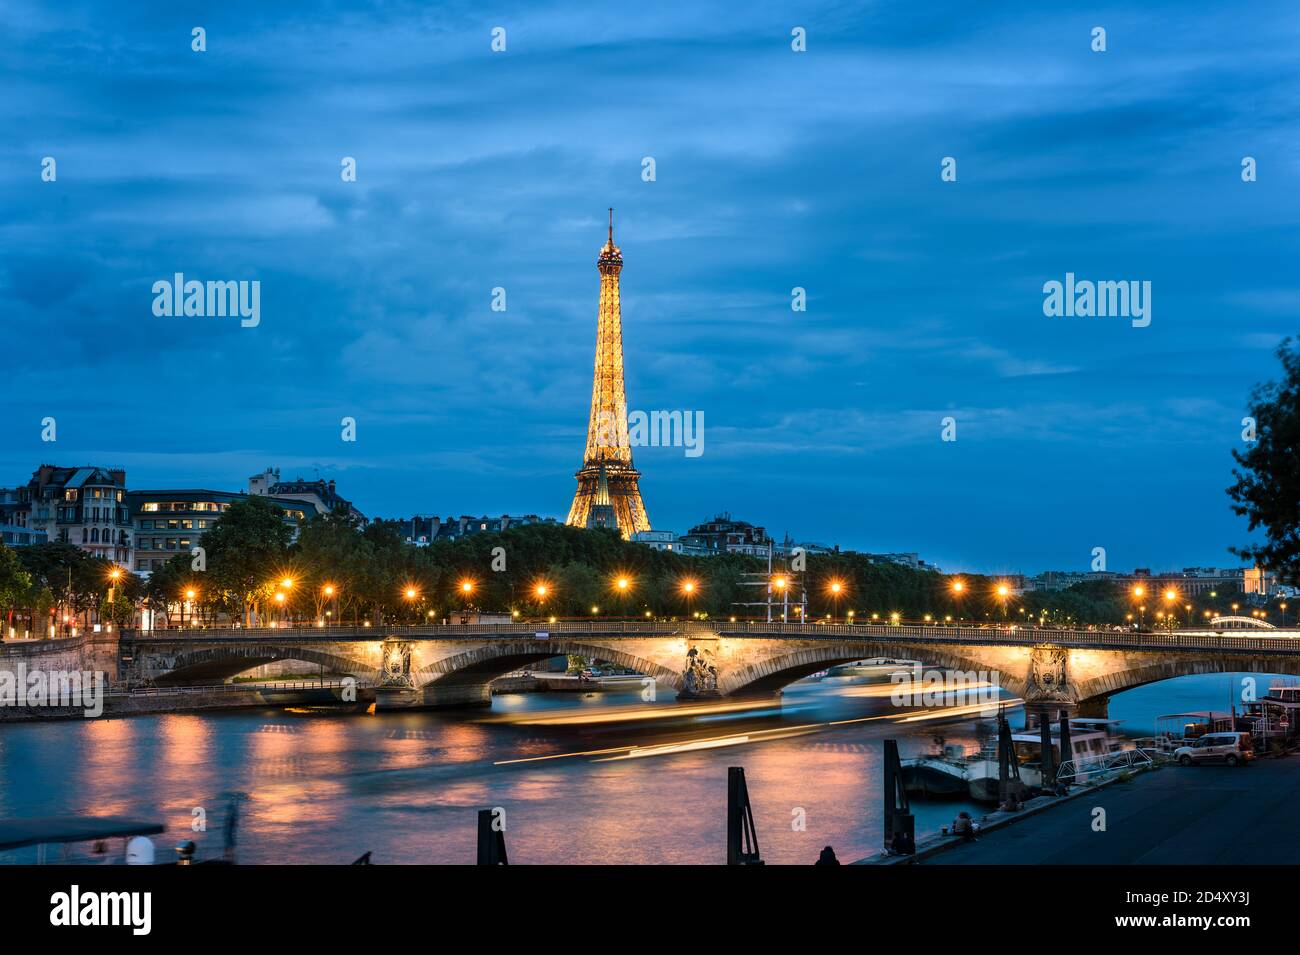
(964, 826)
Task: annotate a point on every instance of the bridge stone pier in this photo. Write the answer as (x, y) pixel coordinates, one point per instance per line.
(451, 665)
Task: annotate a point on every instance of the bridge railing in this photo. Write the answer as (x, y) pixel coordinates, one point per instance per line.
(1236, 642)
(389, 631)
(1028, 636)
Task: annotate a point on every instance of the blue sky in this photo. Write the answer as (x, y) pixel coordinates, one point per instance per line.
(775, 169)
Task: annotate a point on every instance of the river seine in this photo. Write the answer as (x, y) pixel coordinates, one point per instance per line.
(599, 778)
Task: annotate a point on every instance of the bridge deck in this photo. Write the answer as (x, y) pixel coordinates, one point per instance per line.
(1276, 641)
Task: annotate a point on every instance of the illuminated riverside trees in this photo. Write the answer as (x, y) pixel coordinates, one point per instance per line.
(343, 572)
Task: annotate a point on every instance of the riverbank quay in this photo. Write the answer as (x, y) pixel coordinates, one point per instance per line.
(932, 845)
(144, 701)
(1200, 815)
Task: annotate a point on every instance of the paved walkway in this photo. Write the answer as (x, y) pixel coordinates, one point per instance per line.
(1195, 815)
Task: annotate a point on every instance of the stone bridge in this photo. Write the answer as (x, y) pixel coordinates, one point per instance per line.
(454, 664)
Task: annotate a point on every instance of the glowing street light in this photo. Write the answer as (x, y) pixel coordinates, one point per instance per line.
(1138, 592)
(780, 584)
(836, 588)
(1003, 591)
(689, 587)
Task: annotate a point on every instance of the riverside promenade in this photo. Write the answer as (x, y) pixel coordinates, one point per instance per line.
(1195, 815)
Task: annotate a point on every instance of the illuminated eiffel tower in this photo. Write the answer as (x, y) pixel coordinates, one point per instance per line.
(608, 479)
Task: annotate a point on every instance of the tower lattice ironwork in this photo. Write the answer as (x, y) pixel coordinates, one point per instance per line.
(607, 464)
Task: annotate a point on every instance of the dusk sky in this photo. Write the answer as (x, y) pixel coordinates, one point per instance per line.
(774, 169)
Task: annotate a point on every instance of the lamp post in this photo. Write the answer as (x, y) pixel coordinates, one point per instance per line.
(622, 584)
(330, 593)
(688, 591)
(540, 592)
(836, 588)
(466, 589)
(782, 587)
(1138, 592)
(958, 590)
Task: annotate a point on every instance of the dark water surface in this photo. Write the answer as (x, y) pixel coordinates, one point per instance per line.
(601, 778)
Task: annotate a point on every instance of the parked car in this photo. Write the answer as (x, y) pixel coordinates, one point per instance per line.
(1235, 749)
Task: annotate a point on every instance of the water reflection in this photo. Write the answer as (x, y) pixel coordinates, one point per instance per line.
(583, 779)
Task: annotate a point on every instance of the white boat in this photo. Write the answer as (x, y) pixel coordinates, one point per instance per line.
(947, 772)
(875, 667)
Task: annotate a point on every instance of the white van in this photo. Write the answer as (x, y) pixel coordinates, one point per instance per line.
(1235, 749)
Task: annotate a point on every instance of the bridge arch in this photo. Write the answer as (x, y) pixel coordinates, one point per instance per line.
(1159, 668)
(208, 664)
(482, 664)
(1242, 623)
(770, 675)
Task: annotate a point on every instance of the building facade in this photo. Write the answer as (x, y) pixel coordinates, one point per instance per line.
(722, 535)
(85, 507)
(171, 522)
(423, 530)
(320, 494)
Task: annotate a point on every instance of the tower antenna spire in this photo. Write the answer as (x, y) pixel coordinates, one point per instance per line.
(611, 223)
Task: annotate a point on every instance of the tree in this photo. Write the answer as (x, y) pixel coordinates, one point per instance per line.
(168, 584)
(72, 575)
(245, 550)
(1267, 491)
(15, 583)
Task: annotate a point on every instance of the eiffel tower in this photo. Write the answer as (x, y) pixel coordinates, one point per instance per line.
(607, 478)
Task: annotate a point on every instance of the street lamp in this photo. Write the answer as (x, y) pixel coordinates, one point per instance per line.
(1002, 592)
(190, 594)
(781, 584)
(688, 591)
(958, 591)
(411, 593)
(1138, 592)
(836, 588)
(466, 588)
(622, 584)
